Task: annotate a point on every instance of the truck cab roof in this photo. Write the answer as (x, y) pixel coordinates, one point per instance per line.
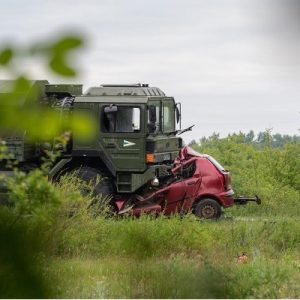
(139, 90)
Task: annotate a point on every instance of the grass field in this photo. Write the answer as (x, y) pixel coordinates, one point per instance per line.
(178, 258)
(53, 246)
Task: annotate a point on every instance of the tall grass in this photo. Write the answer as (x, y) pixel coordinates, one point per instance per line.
(174, 257)
(179, 258)
(72, 249)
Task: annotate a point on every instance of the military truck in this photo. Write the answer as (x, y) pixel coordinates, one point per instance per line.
(136, 139)
(136, 150)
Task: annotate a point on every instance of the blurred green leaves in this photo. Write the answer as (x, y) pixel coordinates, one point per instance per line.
(27, 112)
(59, 53)
(56, 55)
(23, 104)
(32, 196)
(6, 56)
(33, 202)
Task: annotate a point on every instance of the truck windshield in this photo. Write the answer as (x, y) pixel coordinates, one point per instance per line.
(168, 116)
(165, 117)
(154, 128)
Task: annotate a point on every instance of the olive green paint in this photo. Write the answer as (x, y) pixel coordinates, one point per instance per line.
(123, 153)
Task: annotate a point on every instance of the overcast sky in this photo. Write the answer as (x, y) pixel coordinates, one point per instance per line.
(234, 65)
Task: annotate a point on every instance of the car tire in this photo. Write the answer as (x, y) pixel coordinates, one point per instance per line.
(208, 209)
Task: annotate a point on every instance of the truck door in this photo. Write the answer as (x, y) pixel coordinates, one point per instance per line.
(123, 135)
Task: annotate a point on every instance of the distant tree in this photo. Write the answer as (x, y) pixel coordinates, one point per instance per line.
(250, 137)
(215, 136)
(203, 140)
(237, 137)
(192, 142)
(265, 138)
(278, 140)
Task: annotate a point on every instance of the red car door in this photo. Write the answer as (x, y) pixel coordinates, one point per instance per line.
(192, 185)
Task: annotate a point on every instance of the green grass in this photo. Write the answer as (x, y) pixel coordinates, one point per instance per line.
(116, 277)
(147, 237)
(177, 258)
(178, 276)
(71, 249)
(198, 260)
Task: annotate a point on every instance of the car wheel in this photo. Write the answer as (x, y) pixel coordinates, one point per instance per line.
(208, 209)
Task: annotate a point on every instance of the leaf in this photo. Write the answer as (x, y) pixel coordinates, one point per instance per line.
(60, 53)
(6, 56)
(59, 66)
(67, 43)
(21, 85)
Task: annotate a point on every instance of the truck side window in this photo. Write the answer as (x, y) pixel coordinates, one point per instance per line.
(124, 119)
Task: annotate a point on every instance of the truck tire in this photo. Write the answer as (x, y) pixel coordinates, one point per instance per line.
(100, 183)
(208, 209)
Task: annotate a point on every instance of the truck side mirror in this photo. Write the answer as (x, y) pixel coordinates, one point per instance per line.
(178, 113)
(110, 109)
(152, 114)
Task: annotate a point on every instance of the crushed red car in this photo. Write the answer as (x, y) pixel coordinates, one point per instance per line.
(196, 183)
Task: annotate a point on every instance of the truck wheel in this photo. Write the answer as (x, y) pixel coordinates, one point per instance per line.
(208, 209)
(100, 183)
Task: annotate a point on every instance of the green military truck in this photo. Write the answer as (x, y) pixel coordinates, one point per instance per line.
(135, 144)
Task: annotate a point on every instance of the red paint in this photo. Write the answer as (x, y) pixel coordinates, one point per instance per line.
(207, 181)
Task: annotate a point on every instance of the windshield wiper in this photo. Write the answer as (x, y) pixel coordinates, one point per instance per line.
(181, 131)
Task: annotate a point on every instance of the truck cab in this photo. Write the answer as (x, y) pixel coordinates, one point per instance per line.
(134, 140)
(136, 135)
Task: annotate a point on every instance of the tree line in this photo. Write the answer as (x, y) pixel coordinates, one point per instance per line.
(259, 141)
